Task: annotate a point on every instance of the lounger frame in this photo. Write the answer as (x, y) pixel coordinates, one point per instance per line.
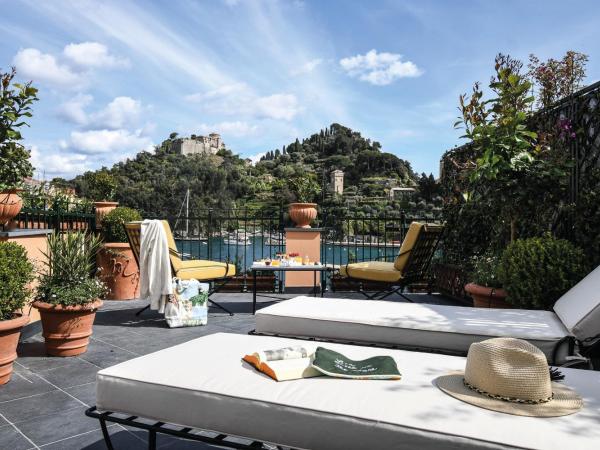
(213, 438)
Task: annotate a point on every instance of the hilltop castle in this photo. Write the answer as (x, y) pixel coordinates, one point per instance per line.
(198, 145)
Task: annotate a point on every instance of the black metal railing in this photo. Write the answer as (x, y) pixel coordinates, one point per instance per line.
(55, 220)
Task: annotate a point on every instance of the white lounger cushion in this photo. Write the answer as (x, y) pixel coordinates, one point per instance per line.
(579, 308)
(204, 384)
(411, 325)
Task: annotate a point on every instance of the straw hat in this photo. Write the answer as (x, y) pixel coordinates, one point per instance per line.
(510, 376)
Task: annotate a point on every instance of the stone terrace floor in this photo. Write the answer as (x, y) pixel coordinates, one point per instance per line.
(43, 405)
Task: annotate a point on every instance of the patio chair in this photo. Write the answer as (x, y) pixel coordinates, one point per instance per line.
(214, 272)
(172, 393)
(571, 330)
(410, 265)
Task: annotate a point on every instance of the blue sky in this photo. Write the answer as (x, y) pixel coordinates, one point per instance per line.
(116, 77)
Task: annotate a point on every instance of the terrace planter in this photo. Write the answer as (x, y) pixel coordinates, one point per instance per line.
(10, 205)
(102, 209)
(119, 271)
(486, 297)
(10, 330)
(302, 214)
(67, 329)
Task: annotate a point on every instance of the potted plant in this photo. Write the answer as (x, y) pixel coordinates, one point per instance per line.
(306, 189)
(536, 272)
(16, 273)
(15, 104)
(118, 268)
(102, 187)
(68, 294)
(486, 288)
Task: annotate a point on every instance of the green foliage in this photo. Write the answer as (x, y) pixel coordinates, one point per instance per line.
(536, 272)
(68, 276)
(15, 105)
(485, 271)
(112, 224)
(305, 187)
(99, 186)
(16, 272)
(586, 218)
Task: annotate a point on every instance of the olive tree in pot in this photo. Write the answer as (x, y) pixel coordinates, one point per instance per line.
(68, 294)
(15, 105)
(536, 272)
(102, 188)
(16, 272)
(117, 265)
(306, 189)
(486, 288)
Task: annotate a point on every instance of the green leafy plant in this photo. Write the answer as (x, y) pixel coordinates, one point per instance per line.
(68, 275)
(538, 271)
(485, 271)
(15, 105)
(305, 187)
(102, 185)
(112, 224)
(16, 272)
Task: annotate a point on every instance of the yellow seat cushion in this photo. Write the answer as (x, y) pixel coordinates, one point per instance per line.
(407, 244)
(201, 269)
(372, 271)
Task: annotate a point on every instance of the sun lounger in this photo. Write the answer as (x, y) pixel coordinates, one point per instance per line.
(447, 329)
(203, 384)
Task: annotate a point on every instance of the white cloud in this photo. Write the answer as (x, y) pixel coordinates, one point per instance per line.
(120, 113)
(58, 163)
(231, 3)
(307, 67)
(236, 129)
(92, 54)
(240, 99)
(256, 158)
(379, 68)
(73, 110)
(120, 141)
(43, 67)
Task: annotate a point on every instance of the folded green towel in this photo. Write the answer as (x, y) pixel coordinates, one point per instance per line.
(335, 364)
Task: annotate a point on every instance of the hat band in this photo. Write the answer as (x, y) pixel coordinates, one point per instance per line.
(507, 399)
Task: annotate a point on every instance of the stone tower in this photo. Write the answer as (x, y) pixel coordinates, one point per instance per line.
(337, 182)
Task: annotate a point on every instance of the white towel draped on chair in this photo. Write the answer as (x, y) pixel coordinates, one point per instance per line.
(155, 266)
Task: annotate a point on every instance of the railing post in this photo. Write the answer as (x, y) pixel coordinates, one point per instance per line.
(209, 234)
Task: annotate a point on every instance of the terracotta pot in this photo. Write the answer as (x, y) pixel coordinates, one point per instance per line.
(67, 329)
(10, 205)
(102, 209)
(485, 297)
(119, 271)
(303, 214)
(10, 330)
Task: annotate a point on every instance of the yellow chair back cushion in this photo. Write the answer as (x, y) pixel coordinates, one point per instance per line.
(176, 261)
(407, 245)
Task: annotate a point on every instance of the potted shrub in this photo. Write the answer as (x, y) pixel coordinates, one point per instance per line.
(536, 272)
(102, 187)
(68, 294)
(16, 272)
(15, 104)
(306, 189)
(486, 288)
(118, 269)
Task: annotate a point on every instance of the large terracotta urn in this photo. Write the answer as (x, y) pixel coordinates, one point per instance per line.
(67, 329)
(10, 330)
(10, 205)
(486, 297)
(119, 271)
(102, 209)
(303, 213)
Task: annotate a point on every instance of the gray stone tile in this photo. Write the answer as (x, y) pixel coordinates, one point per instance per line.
(120, 438)
(37, 405)
(76, 373)
(86, 393)
(11, 439)
(104, 355)
(57, 426)
(2, 422)
(32, 355)
(23, 383)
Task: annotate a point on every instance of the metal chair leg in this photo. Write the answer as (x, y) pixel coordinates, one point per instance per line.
(105, 434)
(142, 310)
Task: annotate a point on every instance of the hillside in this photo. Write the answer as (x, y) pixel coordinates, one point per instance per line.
(156, 183)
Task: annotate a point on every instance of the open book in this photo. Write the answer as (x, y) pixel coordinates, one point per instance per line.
(289, 363)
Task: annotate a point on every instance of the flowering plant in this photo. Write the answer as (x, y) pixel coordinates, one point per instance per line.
(485, 270)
